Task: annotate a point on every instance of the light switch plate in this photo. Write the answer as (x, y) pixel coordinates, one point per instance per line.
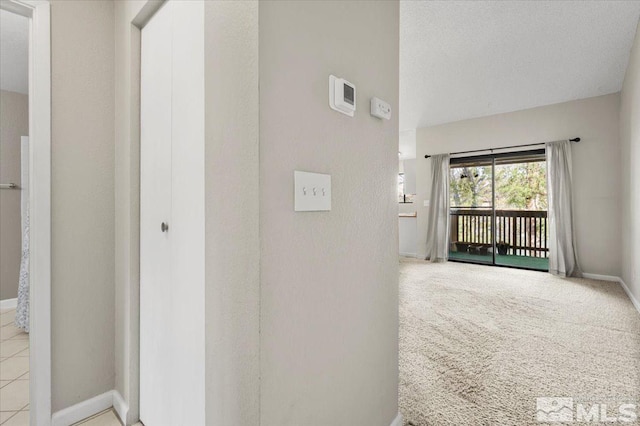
(426, 203)
(312, 192)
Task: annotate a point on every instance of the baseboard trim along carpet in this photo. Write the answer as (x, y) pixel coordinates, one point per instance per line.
(90, 407)
(8, 303)
(97, 404)
(619, 280)
(408, 254)
(397, 421)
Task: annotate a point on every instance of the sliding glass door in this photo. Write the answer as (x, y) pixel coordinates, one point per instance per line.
(471, 192)
(499, 210)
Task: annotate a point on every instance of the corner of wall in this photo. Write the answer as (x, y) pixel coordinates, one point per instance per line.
(630, 153)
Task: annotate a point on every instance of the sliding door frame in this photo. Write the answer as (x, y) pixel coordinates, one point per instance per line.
(492, 157)
(493, 211)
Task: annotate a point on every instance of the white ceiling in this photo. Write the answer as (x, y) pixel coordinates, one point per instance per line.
(465, 59)
(14, 52)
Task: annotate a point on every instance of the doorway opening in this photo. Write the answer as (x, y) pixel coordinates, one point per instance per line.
(34, 192)
(14, 219)
(498, 210)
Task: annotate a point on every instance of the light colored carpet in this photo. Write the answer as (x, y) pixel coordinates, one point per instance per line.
(479, 344)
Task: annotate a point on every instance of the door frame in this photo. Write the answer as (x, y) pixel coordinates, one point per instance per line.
(131, 204)
(492, 159)
(39, 14)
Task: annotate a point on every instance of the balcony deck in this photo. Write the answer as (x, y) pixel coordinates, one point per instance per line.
(528, 262)
(523, 232)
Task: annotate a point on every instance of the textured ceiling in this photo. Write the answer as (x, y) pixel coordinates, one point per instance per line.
(465, 59)
(14, 52)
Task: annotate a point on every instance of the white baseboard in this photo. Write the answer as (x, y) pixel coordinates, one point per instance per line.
(409, 254)
(90, 407)
(631, 296)
(82, 410)
(8, 303)
(600, 277)
(619, 280)
(112, 398)
(121, 407)
(397, 421)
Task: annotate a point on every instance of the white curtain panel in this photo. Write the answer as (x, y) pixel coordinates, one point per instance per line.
(563, 260)
(438, 228)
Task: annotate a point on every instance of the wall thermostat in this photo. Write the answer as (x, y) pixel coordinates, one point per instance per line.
(342, 95)
(380, 108)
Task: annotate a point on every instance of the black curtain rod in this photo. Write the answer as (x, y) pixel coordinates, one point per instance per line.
(503, 147)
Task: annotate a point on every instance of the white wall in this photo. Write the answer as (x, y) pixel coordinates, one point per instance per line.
(596, 166)
(407, 234)
(232, 247)
(329, 280)
(82, 200)
(630, 137)
(410, 176)
(14, 123)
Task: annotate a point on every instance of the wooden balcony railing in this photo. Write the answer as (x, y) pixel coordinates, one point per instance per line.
(522, 232)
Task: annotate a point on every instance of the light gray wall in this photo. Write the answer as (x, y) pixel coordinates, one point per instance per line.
(232, 259)
(82, 200)
(329, 280)
(630, 137)
(596, 166)
(14, 123)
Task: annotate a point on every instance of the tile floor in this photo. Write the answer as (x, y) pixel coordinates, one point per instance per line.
(14, 372)
(14, 378)
(106, 418)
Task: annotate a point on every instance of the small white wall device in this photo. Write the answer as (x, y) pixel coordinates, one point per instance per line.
(342, 95)
(380, 108)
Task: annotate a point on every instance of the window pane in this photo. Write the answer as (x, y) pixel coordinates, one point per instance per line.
(470, 186)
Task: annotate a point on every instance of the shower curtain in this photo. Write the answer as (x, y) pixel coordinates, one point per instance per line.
(22, 309)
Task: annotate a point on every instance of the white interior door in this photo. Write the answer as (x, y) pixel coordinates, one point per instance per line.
(157, 371)
(172, 192)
